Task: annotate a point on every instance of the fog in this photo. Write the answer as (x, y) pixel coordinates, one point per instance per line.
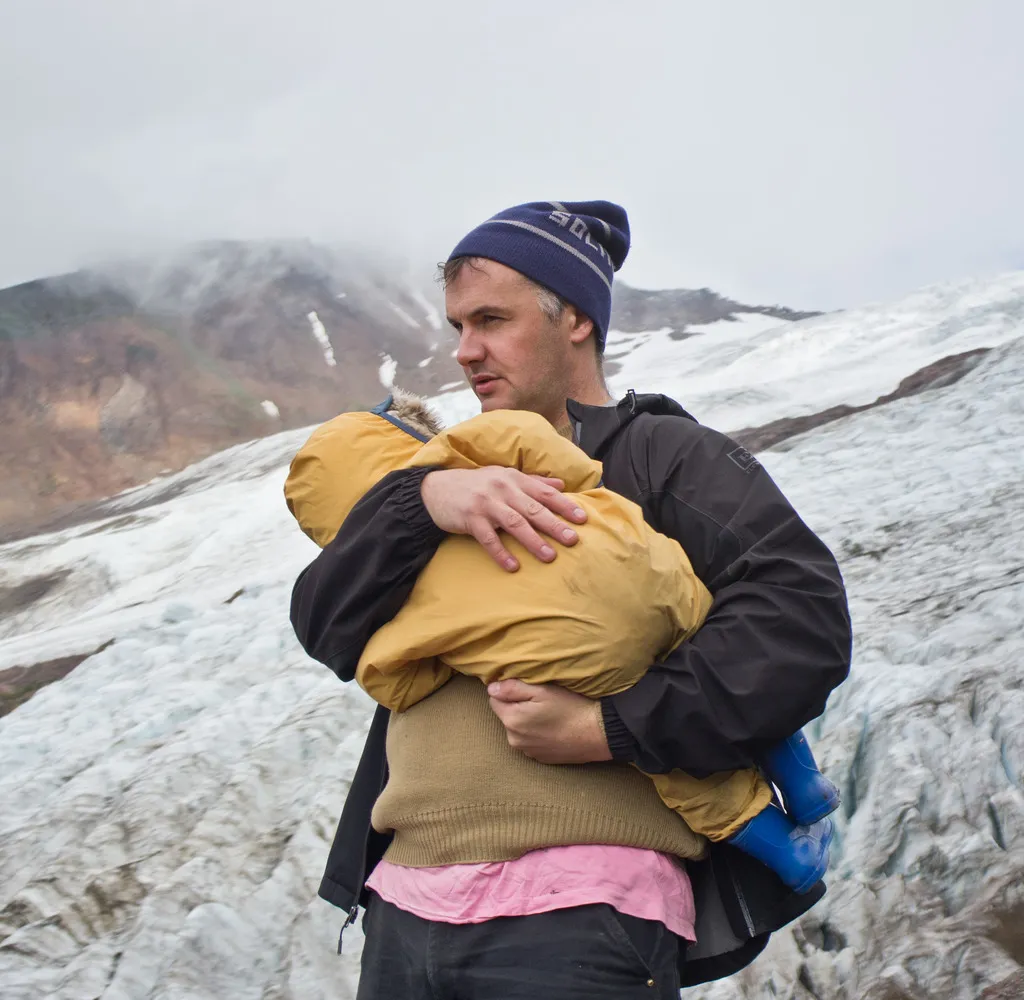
(814, 155)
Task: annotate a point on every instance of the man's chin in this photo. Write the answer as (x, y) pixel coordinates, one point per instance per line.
(495, 401)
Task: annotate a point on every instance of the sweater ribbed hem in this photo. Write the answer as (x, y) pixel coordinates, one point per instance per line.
(499, 831)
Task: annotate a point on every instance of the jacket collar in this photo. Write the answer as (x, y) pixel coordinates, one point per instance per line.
(594, 427)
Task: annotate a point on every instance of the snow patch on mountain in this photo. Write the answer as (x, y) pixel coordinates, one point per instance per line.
(433, 317)
(387, 370)
(322, 339)
(404, 316)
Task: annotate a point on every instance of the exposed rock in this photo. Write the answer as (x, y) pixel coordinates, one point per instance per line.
(18, 684)
(1011, 988)
(637, 309)
(26, 593)
(934, 376)
(130, 421)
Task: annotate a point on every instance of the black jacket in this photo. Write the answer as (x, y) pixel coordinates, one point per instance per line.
(775, 643)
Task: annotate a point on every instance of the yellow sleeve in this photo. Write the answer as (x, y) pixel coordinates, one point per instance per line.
(402, 688)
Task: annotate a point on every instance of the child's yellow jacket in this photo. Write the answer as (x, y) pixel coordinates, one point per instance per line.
(593, 620)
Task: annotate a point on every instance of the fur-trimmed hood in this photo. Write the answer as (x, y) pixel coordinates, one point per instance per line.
(414, 411)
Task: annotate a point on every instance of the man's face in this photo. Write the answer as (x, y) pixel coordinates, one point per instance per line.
(514, 357)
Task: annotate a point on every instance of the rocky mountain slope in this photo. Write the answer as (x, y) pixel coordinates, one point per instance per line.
(168, 804)
(112, 376)
(678, 310)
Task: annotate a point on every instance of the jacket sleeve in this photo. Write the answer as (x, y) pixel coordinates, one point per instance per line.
(777, 639)
(361, 579)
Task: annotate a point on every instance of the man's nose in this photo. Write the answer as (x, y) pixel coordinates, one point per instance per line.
(471, 348)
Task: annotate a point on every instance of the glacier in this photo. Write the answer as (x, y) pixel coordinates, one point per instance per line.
(168, 805)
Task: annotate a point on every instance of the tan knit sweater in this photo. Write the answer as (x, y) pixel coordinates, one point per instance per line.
(457, 792)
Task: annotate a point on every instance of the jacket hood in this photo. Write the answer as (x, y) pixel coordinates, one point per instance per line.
(595, 426)
(347, 456)
(415, 412)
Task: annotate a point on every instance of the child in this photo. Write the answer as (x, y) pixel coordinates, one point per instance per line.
(593, 621)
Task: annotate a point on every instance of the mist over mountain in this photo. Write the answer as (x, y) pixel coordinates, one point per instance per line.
(114, 375)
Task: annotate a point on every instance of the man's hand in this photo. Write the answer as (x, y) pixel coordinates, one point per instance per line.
(550, 723)
(482, 502)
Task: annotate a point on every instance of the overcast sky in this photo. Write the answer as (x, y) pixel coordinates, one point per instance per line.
(809, 153)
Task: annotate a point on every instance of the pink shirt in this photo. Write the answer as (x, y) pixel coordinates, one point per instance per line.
(637, 882)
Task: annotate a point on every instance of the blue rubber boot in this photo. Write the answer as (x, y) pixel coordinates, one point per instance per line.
(806, 793)
(797, 854)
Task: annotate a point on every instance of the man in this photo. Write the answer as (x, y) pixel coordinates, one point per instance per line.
(529, 294)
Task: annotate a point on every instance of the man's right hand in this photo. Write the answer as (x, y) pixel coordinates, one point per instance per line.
(484, 502)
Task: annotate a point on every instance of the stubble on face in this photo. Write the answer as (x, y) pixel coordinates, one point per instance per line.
(513, 355)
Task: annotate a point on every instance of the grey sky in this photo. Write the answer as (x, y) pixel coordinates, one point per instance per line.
(816, 154)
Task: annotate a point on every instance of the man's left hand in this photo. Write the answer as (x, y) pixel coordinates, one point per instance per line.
(550, 723)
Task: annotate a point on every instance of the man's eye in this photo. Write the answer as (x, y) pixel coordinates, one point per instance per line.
(492, 319)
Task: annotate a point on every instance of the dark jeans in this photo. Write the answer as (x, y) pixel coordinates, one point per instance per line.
(582, 953)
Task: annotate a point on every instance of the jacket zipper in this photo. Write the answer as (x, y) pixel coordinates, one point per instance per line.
(744, 909)
(349, 920)
(354, 911)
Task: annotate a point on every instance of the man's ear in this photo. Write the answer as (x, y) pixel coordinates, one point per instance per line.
(580, 326)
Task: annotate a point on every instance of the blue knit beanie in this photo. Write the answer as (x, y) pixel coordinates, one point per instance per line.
(574, 248)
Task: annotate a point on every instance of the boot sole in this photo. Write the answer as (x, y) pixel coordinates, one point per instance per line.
(827, 807)
(819, 869)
